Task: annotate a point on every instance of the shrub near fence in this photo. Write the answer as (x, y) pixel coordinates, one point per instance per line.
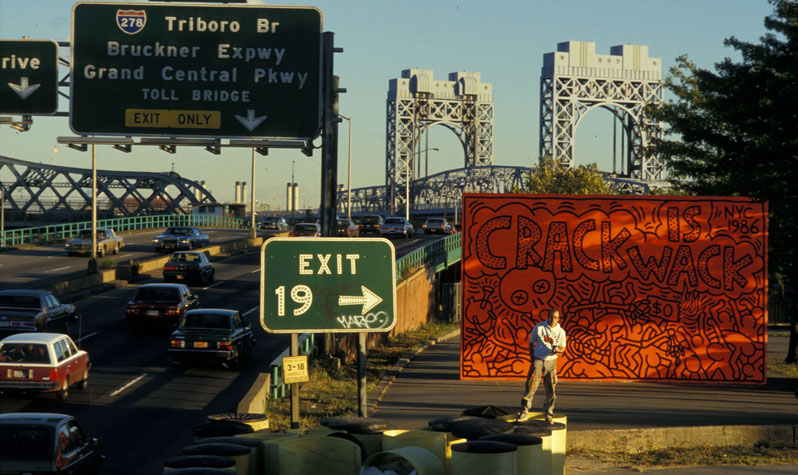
(60, 232)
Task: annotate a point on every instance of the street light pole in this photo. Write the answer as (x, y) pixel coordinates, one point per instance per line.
(348, 170)
(408, 182)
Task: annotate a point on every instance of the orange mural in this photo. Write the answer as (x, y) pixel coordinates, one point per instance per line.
(650, 288)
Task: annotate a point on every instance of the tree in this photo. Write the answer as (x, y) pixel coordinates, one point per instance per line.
(732, 132)
(552, 178)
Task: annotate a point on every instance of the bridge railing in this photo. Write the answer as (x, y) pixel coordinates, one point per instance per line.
(57, 232)
(440, 253)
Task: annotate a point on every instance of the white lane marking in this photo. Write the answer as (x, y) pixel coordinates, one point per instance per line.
(58, 269)
(86, 337)
(131, 383)
(123, 255)
(249, 311)
(256, 270)
(214, 285)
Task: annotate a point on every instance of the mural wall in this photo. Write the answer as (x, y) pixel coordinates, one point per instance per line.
(650, 288)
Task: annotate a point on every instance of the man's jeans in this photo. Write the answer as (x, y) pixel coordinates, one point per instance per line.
(547, 369)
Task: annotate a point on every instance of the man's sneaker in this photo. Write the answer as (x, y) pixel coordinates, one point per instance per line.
(523, 415)
(549, 419)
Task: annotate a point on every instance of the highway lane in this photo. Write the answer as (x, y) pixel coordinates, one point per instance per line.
(140, 404)
(38, 266)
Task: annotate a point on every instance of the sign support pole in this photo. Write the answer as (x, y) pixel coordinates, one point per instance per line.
(362, 396)
(94, 205)
(252, 232)
(329, 154)
(295, 386)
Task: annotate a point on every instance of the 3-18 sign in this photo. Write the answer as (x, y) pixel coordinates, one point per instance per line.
(295, 369)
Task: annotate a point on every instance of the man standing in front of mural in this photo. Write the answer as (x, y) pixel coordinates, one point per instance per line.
(546, 341)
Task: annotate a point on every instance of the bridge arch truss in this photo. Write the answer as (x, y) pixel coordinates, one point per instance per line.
(57, 191)
(416, 101)
(575, 80)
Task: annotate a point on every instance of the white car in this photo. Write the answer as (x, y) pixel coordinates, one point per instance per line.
(107, 242)
(397, 227)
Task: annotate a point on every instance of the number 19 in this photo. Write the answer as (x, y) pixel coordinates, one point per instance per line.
(300, 294)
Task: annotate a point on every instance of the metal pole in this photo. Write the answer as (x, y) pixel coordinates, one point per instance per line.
(3, 215)
(329, 156)
(295, 386)
(362, 397)
(252, 232)
(94, 203)
(349, 175)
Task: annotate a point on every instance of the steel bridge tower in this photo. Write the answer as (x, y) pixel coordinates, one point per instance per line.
(416, 102)
(575, 80)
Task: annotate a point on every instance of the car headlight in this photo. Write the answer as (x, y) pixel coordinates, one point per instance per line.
(184, 241)
(156, 240)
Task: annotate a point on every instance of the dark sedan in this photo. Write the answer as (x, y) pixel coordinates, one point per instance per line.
(34, 311)
(437, 225)
(346, 227)
(371, 224)
(160, 303)
(180, 237)
(212, 335)
(305, 230)
(46, 443)
(189, 266)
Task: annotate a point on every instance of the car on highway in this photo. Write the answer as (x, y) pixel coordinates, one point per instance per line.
(371, 224)
(273, 223)
(397, 227)
(160, 304)
(24, 310)
(41, 442)
(437, 226)
(189, 266)
(305, 230)
(180, 237)
(107, 242)
(345, 227)
(42, 362)
(212, 335)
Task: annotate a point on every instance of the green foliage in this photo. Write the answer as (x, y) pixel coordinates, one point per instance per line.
(550, 177)
(731, 131)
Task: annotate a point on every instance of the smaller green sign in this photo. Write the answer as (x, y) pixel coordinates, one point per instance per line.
(327, 285)
(28, 76)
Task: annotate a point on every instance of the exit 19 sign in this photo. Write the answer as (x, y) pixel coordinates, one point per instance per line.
(327, 285)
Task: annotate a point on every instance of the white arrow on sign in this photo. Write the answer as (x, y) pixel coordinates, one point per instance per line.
(250, 121)
(23, 89)
(368, 300)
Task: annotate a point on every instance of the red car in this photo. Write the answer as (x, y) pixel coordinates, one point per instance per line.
(305, 229)
(45, 362)
(160, 303)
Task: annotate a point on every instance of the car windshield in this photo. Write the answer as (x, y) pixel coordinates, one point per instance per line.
(192, 258)
(20, 301)
(371, 219)
(158, 294)
(305, 227)
(205, 320)
(24, 353)
(85, 234)
(435, 221)
(394, 221)
(179, 231)
(25, 443)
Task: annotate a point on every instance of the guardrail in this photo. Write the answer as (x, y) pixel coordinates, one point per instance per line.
(441, 253)
(42, 234)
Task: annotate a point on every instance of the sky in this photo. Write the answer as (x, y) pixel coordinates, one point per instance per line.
(503, 40)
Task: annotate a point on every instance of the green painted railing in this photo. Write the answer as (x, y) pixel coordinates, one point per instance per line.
(59, 232)
(441, 254)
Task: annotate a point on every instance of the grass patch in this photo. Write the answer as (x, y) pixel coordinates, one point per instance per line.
(761, 454)
(333, 393)
(787, 369)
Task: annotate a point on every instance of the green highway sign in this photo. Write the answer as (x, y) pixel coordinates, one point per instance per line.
(327, 285)
(222, 71)
(28, 76)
